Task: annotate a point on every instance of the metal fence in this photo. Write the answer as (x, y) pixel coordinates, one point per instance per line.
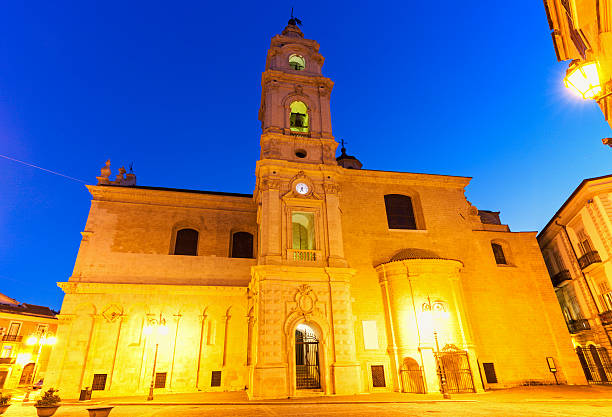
(595, 364)
(413, 381)
(456, 368)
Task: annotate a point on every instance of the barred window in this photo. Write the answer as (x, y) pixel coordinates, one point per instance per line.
(400, 212)
(215, 380)
(498, 252)
(378, 376)
(489, 369)
(186, 242)
(99, 382)
(160, 380)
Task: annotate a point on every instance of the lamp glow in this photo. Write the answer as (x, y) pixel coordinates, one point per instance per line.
(23, 358)
(32, 340)
(50, 341)
(583, 78)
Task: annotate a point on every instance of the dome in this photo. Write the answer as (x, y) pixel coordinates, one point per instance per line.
(414, 253)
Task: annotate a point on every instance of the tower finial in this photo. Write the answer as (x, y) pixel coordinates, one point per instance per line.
(294, 21)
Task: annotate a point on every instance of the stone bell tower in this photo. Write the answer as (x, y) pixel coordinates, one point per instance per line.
(301, 329)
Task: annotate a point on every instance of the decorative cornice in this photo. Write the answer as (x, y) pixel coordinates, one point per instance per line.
(110, 288)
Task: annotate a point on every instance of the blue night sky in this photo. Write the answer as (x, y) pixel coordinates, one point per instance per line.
(461, 88)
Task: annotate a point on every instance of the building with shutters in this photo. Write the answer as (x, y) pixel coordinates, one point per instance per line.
(577, 247)
(327, 278)
(27, 335)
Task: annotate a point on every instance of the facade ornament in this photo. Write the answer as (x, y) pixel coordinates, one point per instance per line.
(112, 313)
(331, 188)
(105, 173)
(305, 299)
(299, 89)
(270, 184)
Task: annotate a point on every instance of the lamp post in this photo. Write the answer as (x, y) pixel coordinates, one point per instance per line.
(156, 328)
(43, 340)
(436, 310)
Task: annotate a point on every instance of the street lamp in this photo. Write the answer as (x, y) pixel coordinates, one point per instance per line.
(43, 340)
(583, 78)
(437, 310)
(155, 327)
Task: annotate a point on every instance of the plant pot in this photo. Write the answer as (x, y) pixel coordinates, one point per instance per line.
(46, 410)
(99, 412)
(3, 408)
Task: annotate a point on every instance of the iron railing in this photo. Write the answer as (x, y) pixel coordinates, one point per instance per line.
(589, 258)
(11, 338)
(7, 361)
(606, 317)
(413, 381)
(456, 367)
(578, 325)
(596, 364)
(560, 277)
(303, 255)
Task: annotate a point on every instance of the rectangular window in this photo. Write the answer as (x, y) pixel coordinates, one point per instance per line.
(160, 380)
(99, 382)
(14, 328)
(378, 376)
(607, 298)
(303, 230)
(489, 370)
(370, 334)
(215, 380)
(498, 252)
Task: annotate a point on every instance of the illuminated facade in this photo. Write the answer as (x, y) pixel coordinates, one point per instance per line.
(577, 248)
(581, 31)
(328, 278)
(26, 339)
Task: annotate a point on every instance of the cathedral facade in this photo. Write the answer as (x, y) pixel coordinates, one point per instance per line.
(329, 278)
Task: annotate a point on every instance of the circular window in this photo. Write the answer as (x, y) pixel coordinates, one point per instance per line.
(297, 62)
(300, 153)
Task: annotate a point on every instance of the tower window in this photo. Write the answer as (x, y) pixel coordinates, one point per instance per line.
(400, 213)
(498, 252)
(242, 245)
(297, 62)
(303, 230)
(186, 242)
(298, 120)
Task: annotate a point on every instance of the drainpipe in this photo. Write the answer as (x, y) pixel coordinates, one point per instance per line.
(586, 281)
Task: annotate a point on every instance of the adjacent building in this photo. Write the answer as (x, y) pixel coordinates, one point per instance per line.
(581, 31)
(577, 248)
(327, 278)
(27, 335)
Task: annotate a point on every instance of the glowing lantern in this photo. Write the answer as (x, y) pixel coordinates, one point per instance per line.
(583, 77)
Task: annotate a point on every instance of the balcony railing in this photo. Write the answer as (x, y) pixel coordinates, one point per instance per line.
(560, 277)
(578, 325)
(303, 255)
(606, 317)
(11, 338)
(589, 258)
(7, 361)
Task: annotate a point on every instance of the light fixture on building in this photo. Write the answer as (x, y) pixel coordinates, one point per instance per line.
(44, 340)
(583, 78)
(437, 310)
(155, 327)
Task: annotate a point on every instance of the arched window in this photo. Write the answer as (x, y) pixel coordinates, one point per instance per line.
(498, 252)
(297, 62)
(242, 245)
(303, 230)
(186, 242)
(400, 213)
(298, 120)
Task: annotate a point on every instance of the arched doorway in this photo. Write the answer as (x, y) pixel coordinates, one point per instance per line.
(412, 377)
(307, 372)
(26, 374)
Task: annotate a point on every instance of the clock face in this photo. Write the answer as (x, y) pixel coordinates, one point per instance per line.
(301, 188)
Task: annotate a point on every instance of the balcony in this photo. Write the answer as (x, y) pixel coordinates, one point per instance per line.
(11, 338)
(7, 361)
(606, 317)
(560, 277)
(576, 326)
(303, 255)
(589, 258)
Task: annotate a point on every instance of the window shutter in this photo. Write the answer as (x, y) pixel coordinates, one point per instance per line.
(400, 213)
(186, 242)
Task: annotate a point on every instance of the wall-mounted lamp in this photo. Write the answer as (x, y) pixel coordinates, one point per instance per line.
(583, 78)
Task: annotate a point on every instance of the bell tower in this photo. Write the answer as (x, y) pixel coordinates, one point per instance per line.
(295, 112)
(301, 323)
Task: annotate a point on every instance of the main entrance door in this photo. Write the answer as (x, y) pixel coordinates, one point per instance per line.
(307, 375)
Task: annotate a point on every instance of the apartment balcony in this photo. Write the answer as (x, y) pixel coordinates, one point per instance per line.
(560, 277)
(7, 361)
(589, 258)
(606, 317)
(11, 338)
(576, 326)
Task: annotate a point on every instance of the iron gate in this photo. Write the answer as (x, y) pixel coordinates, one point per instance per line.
(412, 381)
(456, 368)
(595, 364)
(307, 375)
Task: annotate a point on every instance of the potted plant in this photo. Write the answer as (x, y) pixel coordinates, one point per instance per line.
(4, 402)
(48, 404)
